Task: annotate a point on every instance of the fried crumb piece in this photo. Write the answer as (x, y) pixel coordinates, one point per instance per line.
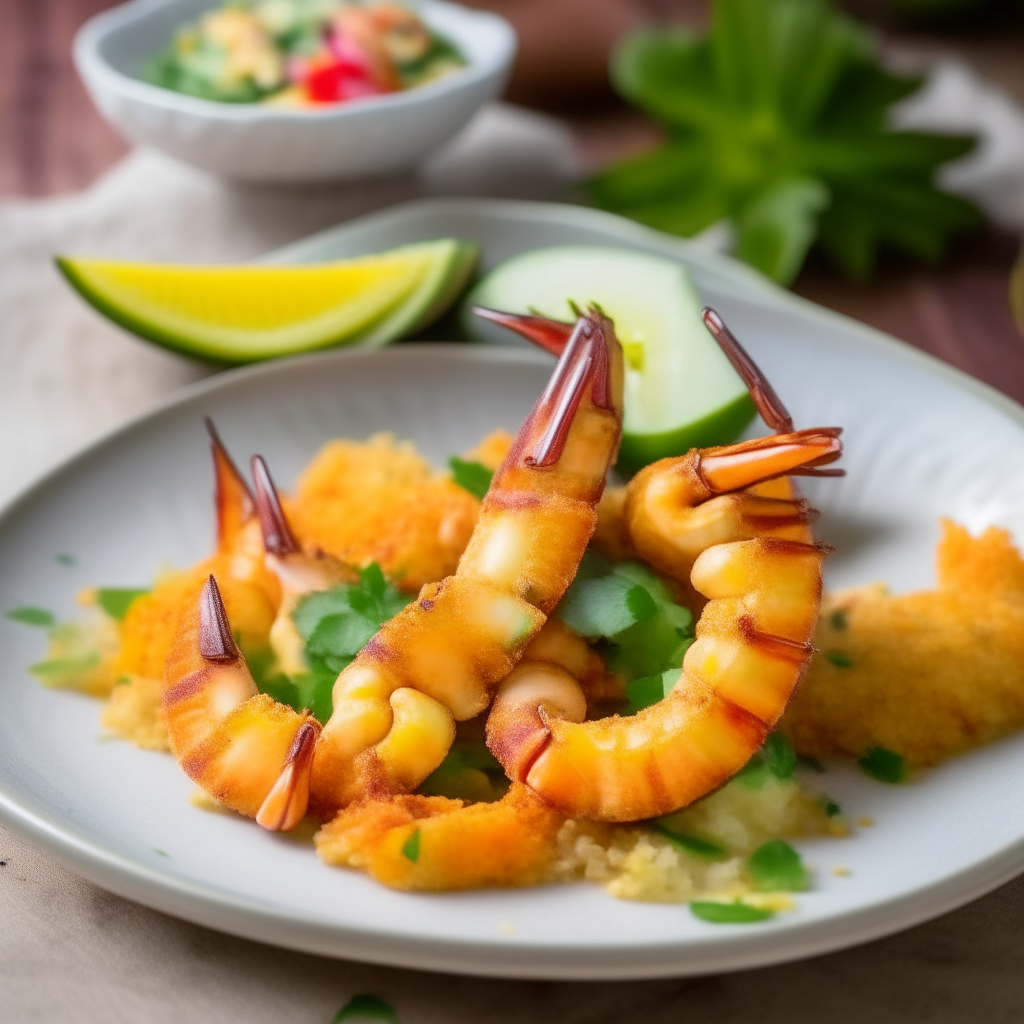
(134, 712)
(866, 822)
(927, 674)
(431, 843)
(841, 872)
(201, 799)
(381, 501)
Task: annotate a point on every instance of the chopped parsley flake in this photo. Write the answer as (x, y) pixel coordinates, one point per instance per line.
(777, 867)
(32, 616)
(411, 847)
(691, 844)
(839, 658)
(365, 1007)
(116, 601)
(883, 764)
(729, 913)
(471, 476)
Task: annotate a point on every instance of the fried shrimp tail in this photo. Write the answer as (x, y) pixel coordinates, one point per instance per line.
(442, 657)
(297, 571)
(249, 752)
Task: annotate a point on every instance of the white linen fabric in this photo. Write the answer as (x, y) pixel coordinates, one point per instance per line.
(67, 374)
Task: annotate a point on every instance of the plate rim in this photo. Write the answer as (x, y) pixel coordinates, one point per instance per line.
(244, 917)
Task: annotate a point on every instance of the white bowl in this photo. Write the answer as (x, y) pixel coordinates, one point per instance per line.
(252, 142)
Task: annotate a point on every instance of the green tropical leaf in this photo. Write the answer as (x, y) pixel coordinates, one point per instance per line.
(777, 119)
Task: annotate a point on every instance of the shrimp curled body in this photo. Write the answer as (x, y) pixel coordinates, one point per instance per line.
(753, 559)
(440, 660)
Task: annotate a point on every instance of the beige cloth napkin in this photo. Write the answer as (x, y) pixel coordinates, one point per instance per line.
(67, 374)
(70, 951)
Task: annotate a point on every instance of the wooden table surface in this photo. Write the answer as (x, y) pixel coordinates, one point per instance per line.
(53, 141)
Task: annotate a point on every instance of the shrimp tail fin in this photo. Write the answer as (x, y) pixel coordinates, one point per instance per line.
(285, 805)
(278, 538)
(550, 335)
(749, 462)
(234, 501)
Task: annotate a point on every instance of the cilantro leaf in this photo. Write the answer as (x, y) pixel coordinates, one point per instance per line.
(884, 765)
(29, 615)
(776, 758)
(776, 866)
(690, 843)
(728, 913)
(411, 847)
(116, 601)
(336, 624)
(779, 756)
(365, 1007)
(605, 606)
(468, 772)
(642, 693)
(474, 477)
(777, 121)
(645, 632)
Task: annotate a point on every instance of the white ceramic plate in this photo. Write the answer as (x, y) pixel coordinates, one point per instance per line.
(922, 441)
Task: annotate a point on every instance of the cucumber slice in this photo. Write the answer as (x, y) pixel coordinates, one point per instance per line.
(680, 390)
(240, 314)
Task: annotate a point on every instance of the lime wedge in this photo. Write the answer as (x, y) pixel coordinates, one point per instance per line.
(680, 390)
(239, 314)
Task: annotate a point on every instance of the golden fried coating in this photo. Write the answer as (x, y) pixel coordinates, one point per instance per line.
(152, 620)
(135, 712)
(927, 674)
(431, 843)
(382, 502)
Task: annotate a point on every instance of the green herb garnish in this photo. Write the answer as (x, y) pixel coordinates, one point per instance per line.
(776, 867)
(605, 606)
(691, 844)
(838, 620)
(777, 122)
(65, 559)
(883, 764)
(32, 616)
(631, 612)
(336, 624)
(116, 601)
(832, 809)
(642, 693)
(64, 671)
(365, 1007)
(411, 847)
(779, 756)
(839, 658)
(729, 913)
(776, 759)
(468, 772)
(474, 477)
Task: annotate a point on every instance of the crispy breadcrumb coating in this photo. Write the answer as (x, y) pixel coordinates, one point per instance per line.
(382, 502)
(431, 843)
(928, 674)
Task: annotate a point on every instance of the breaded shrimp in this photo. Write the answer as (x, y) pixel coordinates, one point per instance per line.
(928, 674)
(382, 502)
